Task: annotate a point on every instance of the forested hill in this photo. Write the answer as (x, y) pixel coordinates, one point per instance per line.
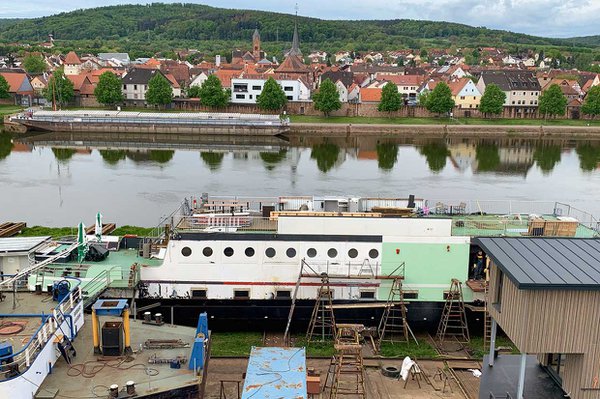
(160, 24)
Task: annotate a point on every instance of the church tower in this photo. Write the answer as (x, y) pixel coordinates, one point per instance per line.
(256, 45)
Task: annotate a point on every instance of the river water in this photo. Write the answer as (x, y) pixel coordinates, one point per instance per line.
(62, 179)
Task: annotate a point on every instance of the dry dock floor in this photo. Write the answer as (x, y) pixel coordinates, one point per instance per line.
(377, 385)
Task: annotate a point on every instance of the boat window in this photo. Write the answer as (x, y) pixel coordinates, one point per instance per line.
(249, 252)
(241, 294)
(283, 294)
(186, 251)
(332, 252)
(207, 251)
(311, 253)
(270, 252)
(291, 252)
(411, 294)
(228, 251)
(373, 253)
(199, 293)
(352, 253)
(367, 295)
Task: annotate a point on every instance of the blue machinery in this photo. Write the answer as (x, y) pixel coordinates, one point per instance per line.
(198, 350)
(113, 333)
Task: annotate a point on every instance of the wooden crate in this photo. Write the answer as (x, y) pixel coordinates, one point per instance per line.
(552, 228)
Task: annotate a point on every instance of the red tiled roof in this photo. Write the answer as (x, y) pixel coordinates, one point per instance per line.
(225, 76)
(293, 64)
(370, 94)
(457, 85)
(72, 59)
(173, 81)
(399, 80)
(14, 79)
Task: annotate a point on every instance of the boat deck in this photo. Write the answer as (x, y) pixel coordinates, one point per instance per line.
(90, 375)
(18, 330)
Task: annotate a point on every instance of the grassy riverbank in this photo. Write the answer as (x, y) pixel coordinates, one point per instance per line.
(363, 120)
(57, 232)
(8, 110)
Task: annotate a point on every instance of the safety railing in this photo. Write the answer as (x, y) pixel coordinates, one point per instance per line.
(518, 225)
(227, 223)
(159, 121)
(18, 363)
(489, 207)
(94, 287)
(361, 269)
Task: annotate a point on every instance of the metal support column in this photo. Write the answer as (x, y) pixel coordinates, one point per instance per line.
(521, 384)
(492, 342)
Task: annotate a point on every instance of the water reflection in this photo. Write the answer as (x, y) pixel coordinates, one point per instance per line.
(387, 155)
(435, 153)
(589, 156)
(6, 145)
(271, 159)
(63, 155)
(112, 157)
(326, 155)
(487, 156)
(212, 159)
(546, 156)
(161, 156)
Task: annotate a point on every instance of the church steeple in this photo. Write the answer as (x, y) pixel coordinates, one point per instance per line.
(295, 50)
(256, 45)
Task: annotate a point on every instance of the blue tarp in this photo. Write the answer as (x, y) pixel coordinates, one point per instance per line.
(276, 373)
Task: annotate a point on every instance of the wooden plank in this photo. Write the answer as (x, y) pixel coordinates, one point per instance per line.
(9, 229)
(107, 228)
(365, 305)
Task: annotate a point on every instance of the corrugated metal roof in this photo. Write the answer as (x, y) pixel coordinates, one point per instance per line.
(21, 244)
(276, 373)
(546, 263)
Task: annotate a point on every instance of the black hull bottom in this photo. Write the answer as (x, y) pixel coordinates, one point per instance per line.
(272, 315)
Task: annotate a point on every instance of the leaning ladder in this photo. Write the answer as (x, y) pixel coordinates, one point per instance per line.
(286, 335)
(322, 315)
(393, 326)
(453, 322)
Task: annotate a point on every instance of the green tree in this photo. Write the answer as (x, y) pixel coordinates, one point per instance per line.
(591, 105)
(4, 88)
(59, 88)
(327, 99)
(391, 100)
(34, 65)
(108, 91)
(553, 102)
(492, 101)
(440, 99)
(193, 92)
(212, 93)
(159, 91)
(423, 96)
(272, 96)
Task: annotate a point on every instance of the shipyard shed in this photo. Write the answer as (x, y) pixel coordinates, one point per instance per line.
(545, 295)
(16, 252)
(276, 373)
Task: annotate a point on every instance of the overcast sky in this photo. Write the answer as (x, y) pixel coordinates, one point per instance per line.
(551, 18)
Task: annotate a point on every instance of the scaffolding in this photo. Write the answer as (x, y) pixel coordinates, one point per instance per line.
(346, 365)
(322, 319)
(393, 326)
(453, 322)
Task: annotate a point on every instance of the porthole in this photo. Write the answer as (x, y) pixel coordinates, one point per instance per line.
(186, 251)
(228, 251)
(352, 253)
(332, 252)
(373, 253)
(311, 253)
(249, 252)
(207, 251)
(270, 252)
(291, 252)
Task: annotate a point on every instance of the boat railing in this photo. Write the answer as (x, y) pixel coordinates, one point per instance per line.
(17, 363)
(489, 207)
(583, 217)
(224, 222)
(155, 120)
(367, 268)
(103, 280)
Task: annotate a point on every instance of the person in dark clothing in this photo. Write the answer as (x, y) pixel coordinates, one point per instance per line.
(480, 266)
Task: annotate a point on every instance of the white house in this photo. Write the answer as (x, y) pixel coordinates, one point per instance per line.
(245, 91)
(135, 84)
(199, 79)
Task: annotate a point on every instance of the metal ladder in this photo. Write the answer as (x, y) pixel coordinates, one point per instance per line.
(454, 318)
(322, 315)
(487, 321)
(393, 326)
